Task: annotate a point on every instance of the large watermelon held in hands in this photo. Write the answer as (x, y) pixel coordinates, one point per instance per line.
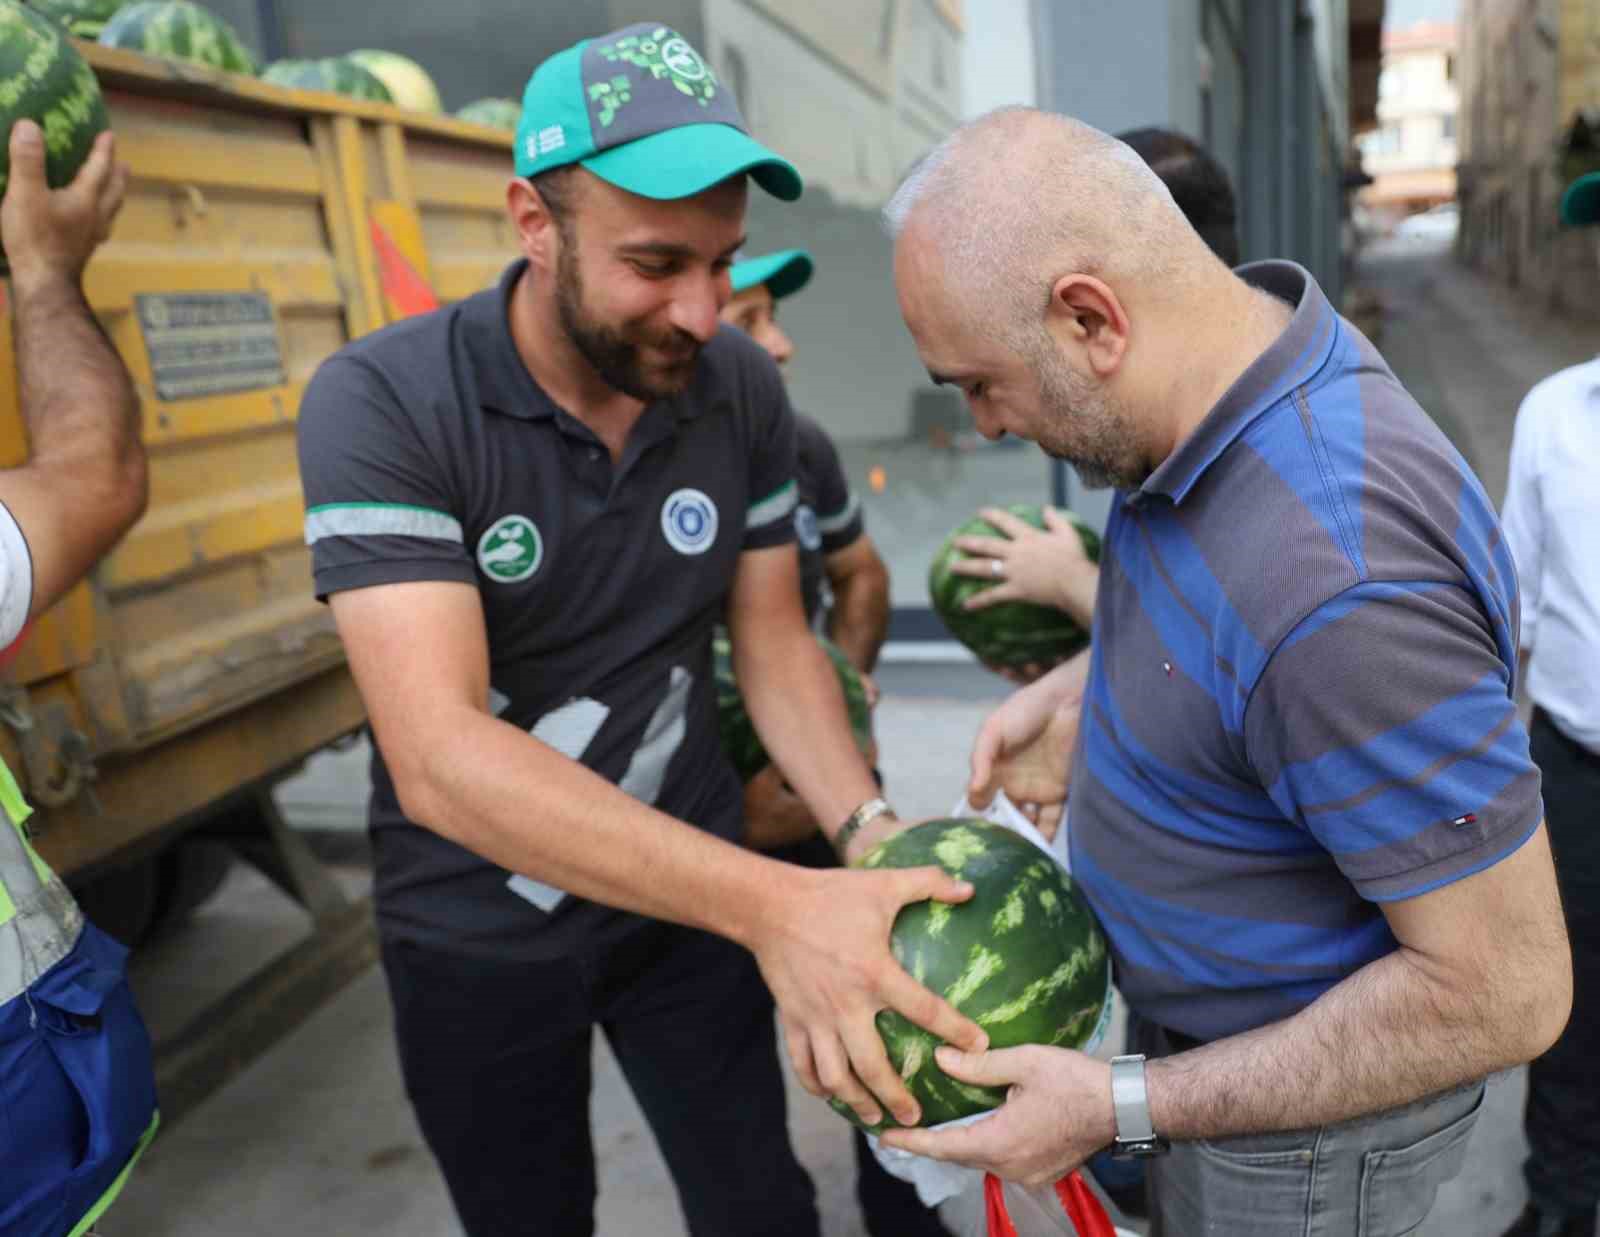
(83, 18)
(179, 30)
(1013, 633)
(42, 78)
(408, 81)
(336, 75)
(739, 738)
(496, 113)
(1023, 958)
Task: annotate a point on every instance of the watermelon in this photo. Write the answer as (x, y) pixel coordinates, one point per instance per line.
(1013, 633)
(178, 30)
(1023, 958)
(408, 81)
(83, 18)
(739, 738)
(496, 113)
(43, 78)
(335, 75)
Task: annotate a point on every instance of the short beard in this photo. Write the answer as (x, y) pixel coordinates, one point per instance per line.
(1087, 427)
(614, 356)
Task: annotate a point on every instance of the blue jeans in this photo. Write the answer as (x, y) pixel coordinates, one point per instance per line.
(1374, 1177)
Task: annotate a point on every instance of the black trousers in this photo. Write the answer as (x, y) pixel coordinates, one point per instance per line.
(496, 1058)
(1563, 1112)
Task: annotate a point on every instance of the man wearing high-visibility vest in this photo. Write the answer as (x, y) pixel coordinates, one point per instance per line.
(77, 1092)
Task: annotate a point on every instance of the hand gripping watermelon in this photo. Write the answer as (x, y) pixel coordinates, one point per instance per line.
(83, 18)
(178, 30)
(1023, 958)
(496, 113)
(739, 738)
(336, 75)
(1013, 633)
(43, 78)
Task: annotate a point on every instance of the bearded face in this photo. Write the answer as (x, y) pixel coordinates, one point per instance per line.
(645, 361)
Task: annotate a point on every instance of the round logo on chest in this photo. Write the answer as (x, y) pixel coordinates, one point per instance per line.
(689, 521)
(510, 549)
(806, 530)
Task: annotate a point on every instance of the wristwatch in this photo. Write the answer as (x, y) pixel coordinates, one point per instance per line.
(1136, 1137)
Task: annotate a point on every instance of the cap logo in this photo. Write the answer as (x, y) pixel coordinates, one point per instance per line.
(664, 54)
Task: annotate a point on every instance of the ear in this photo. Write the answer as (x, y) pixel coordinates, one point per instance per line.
(1086, 317)
(537, 233)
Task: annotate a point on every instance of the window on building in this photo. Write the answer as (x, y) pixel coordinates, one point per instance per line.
(1450, 67)
(1447, 129)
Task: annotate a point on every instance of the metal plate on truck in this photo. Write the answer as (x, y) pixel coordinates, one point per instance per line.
(210, 343)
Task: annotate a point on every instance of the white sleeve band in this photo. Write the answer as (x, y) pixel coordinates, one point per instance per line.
(16, 578)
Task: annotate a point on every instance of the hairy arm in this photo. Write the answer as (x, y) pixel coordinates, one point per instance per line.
(859, 620)
(419, 653)
(1482, 981)
(791, 690)
(84, 483)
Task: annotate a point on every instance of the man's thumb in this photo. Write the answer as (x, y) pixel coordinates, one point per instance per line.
(27, 153)
(984, 1069)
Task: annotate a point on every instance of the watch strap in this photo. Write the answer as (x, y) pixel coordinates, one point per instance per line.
(1129, 1100)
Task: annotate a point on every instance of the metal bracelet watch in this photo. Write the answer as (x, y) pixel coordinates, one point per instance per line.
(1136, 1136)
(858, 819)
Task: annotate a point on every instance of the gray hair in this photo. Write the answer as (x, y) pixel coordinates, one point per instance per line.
(1018, 197)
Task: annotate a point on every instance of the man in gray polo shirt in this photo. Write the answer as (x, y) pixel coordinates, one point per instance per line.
(1302, 804)
(527, 511)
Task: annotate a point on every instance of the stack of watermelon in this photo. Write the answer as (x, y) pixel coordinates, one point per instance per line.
(178, 30)
(1023, 958)
(407, 81)
(1012, 634)
(84, 19)
(739, 738)
(336, 75)
(46, 81)
(496, 113)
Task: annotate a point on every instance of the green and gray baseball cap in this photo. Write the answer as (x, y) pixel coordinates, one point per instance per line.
(784, 272)
(641, 108)
(1580, 204)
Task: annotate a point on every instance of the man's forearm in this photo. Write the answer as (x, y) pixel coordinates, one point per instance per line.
(1387, 1035)
(859, 620)
(77, 398)
(522, 805)
(793, 696)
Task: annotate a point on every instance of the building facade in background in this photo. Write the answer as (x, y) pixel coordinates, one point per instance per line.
(1411, 155)
(1529, 73)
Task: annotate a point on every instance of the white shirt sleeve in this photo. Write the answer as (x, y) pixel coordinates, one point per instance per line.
(1523, 514)
(16, 578)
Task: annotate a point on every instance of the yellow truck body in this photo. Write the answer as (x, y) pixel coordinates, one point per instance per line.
(196, 662)
(264, 228)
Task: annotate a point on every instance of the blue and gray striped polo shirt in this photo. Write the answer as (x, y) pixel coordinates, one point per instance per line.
(1300, 700)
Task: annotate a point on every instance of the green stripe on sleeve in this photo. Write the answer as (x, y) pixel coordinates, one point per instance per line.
(381, 520)
(774, 507)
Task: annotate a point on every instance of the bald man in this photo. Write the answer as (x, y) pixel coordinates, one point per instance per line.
(1301, 801)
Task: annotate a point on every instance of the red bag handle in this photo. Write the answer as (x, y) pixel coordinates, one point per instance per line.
(1076, 1198)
